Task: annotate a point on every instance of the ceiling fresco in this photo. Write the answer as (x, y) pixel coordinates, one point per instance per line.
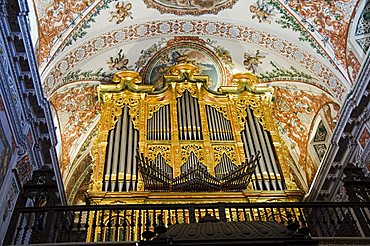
(300, 48)
(190, 7)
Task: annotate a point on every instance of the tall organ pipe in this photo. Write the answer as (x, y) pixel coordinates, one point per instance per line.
(108, 160)
(256, 138)
(254, 149)
(265, 156)
(116, 153)
(198, 121)
(123, 149)
(262, 161)
(122, 145)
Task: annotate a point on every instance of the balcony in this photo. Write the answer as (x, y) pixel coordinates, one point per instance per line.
(152, 224)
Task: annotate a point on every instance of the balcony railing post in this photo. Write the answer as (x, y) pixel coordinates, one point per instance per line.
(221, 211)
(192, 214)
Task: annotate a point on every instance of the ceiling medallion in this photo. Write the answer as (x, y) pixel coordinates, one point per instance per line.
(189, 7)
(189, 50)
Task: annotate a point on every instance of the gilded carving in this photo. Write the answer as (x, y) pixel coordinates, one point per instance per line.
(219, 151)
(186, 149)
(152, 108)
(164, 150)
(143, 102)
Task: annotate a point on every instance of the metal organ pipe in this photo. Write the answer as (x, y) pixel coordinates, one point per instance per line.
(253, 148)
(168, 121)
(248, 154)
(184, 122)
(262, 161)
(123, 149)
(198, 121)
(179, 119)
(219, 126)
(266, 154)
(256, 138)
(188, 116)
(159, 124)
(189, 123)
(275, 167)
(193, 121)
(108, 160)
(115, 152)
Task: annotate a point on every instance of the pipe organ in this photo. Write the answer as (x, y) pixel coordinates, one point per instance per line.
(184, 137)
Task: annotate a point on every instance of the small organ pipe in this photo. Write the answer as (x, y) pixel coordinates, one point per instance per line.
(109, 158)
(163, 121)
(169, 122)
(184, 120)
(188, 120)
(192, 116)
(199, 125)
(115, 152)
(223, 128)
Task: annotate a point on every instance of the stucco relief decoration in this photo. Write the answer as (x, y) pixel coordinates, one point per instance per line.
(190, 7)
(77, 108)
(294, 111)
(121, 12)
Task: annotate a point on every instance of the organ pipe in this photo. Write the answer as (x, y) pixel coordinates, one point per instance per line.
(190, 118)
(120, 173)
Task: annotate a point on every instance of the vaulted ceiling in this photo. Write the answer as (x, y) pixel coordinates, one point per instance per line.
(307, 50)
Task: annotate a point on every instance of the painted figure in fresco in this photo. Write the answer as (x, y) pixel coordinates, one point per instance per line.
(262, 11)
(119, 63)
(183, 55)
(251, 62)
(202, 4)
(122, 11)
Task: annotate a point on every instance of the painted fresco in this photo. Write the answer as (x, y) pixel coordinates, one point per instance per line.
(5, 143)
(163, 61)
(192, 7)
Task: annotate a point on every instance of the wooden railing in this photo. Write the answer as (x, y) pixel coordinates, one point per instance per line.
(129, 222)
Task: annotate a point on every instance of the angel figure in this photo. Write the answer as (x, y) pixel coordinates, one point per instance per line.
(122, 11)
(251, 62)
(262, 11)
(119, 63)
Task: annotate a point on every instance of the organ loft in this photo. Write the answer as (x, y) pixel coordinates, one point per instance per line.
(181, 139)
(163, 122)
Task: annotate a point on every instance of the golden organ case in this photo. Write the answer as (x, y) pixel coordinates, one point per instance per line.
(182, 142)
